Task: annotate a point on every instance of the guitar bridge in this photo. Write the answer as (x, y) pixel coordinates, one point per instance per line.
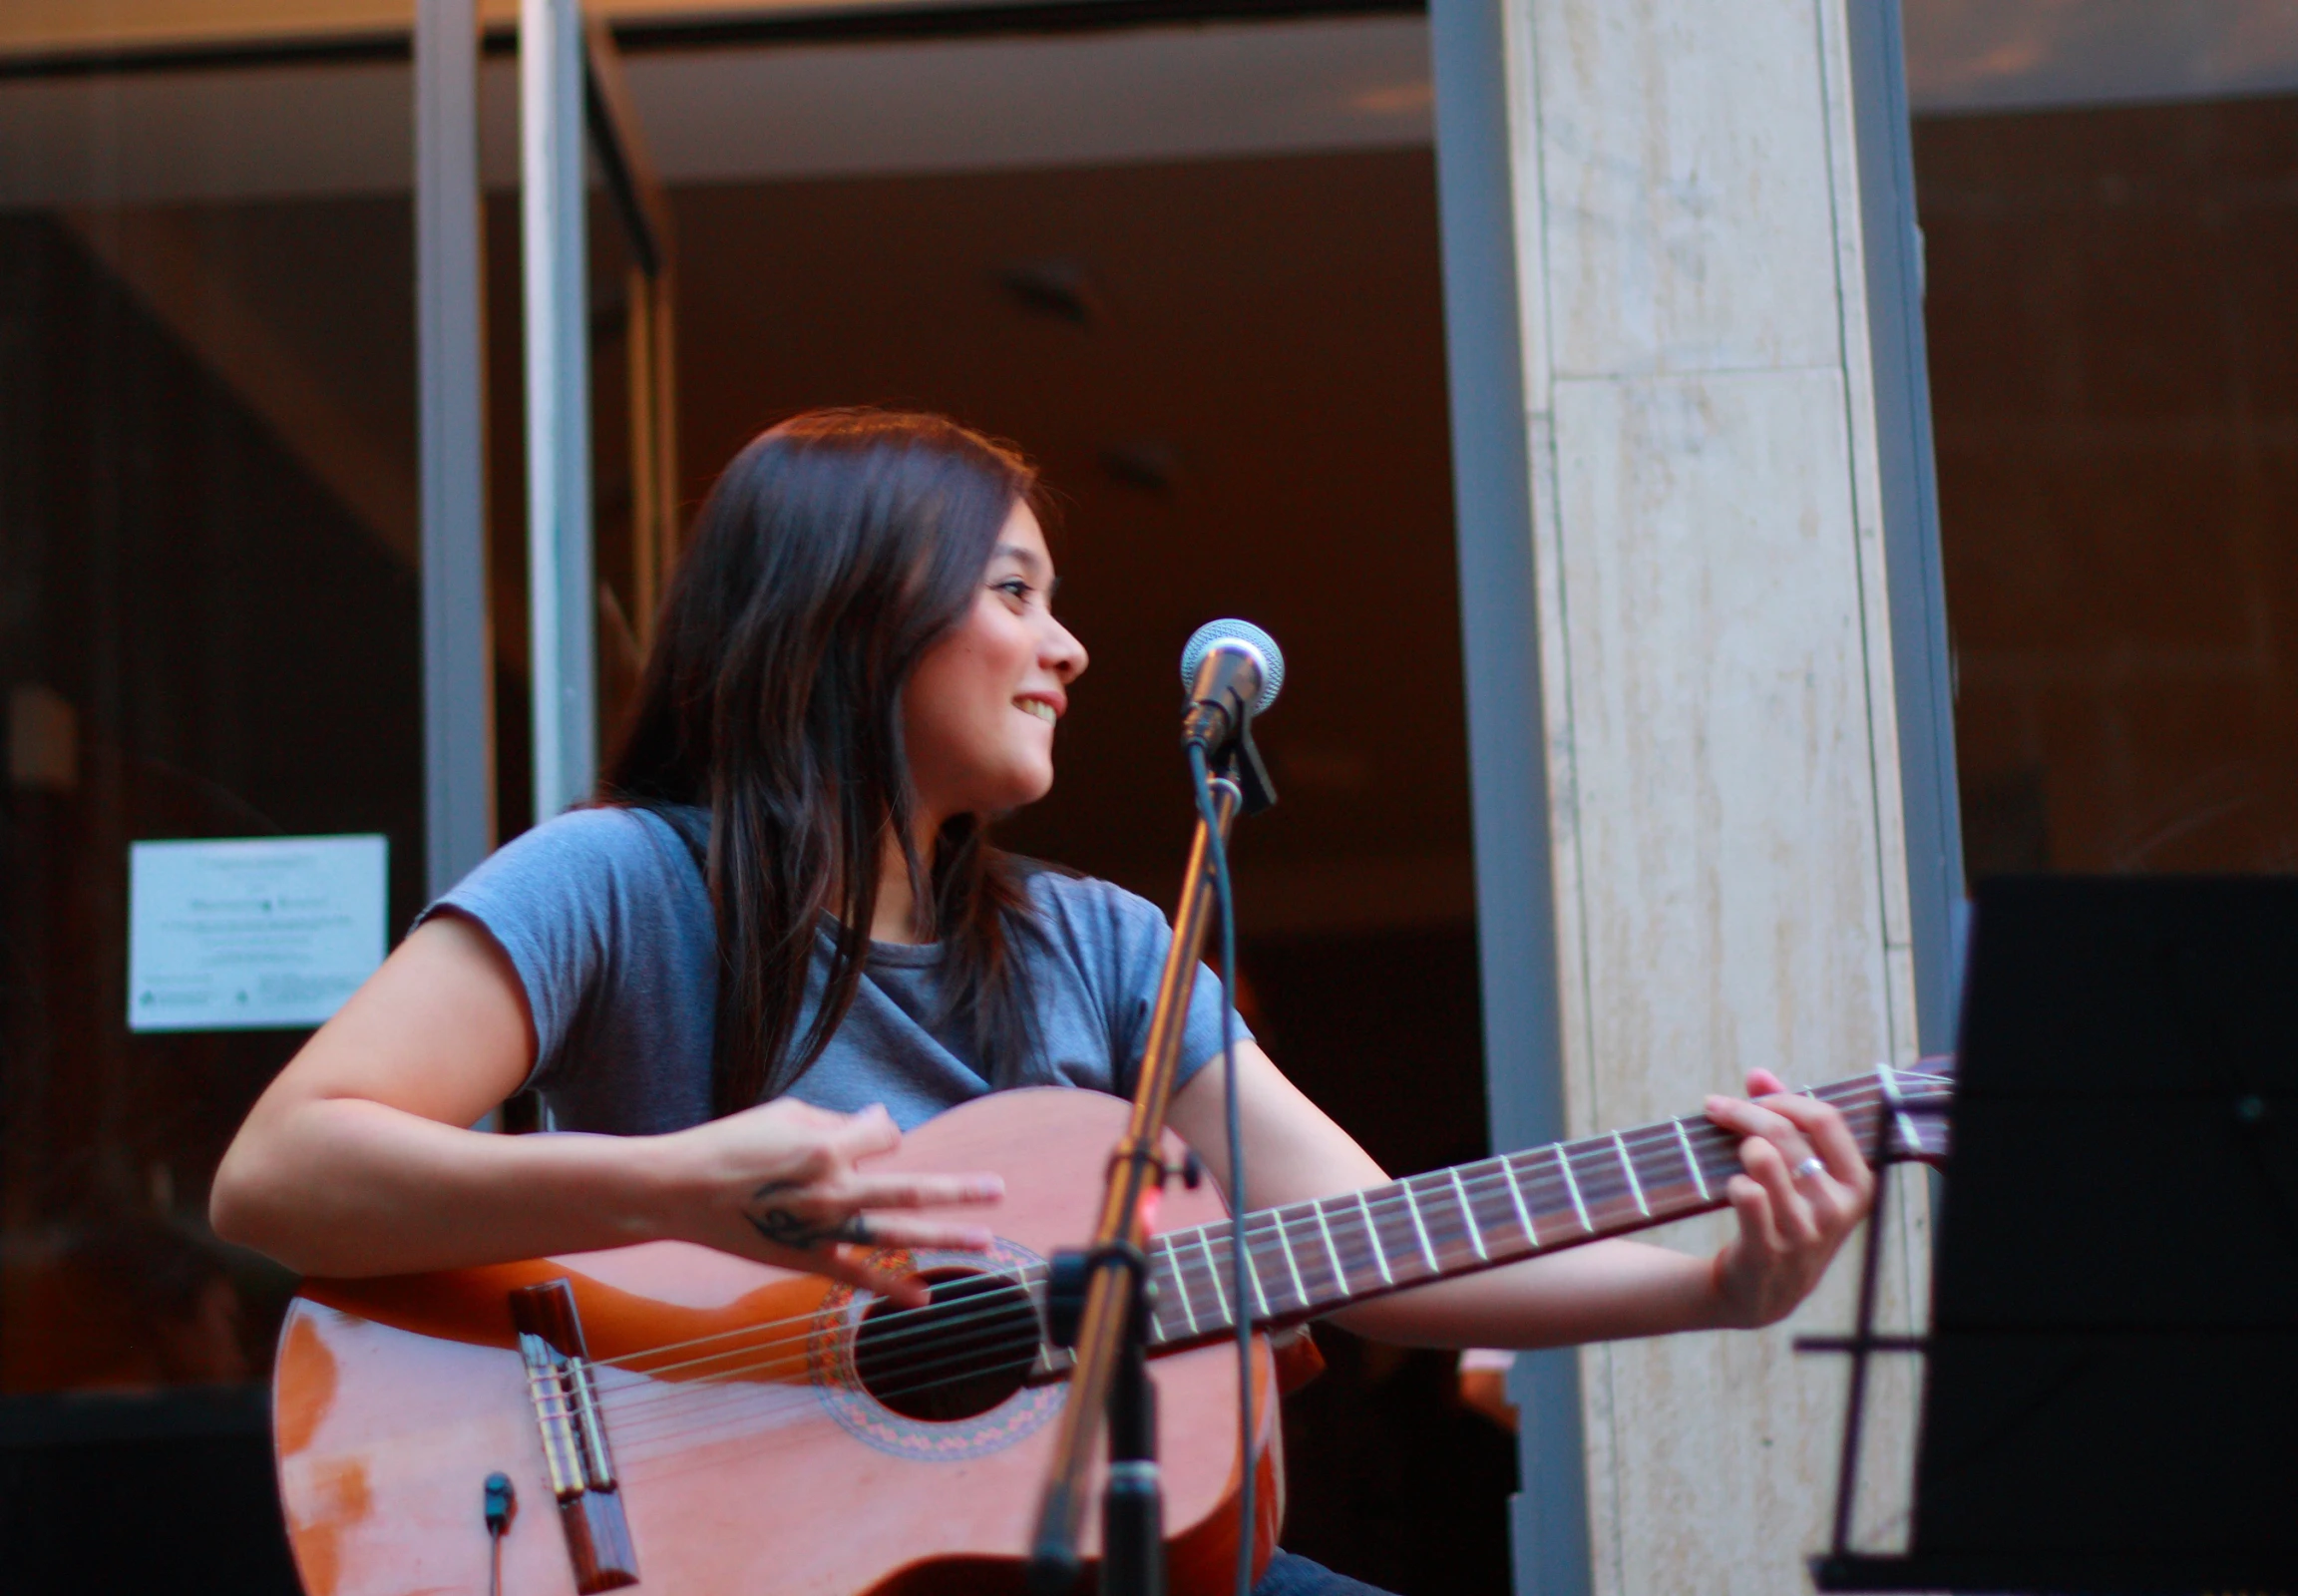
(575, 1449)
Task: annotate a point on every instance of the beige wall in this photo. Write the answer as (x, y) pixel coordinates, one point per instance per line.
(1721, 753)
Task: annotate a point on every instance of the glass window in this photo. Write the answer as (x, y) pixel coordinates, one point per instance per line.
(208, 630)
(2108, 197)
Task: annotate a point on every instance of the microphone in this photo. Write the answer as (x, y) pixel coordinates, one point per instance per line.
(1231, 669)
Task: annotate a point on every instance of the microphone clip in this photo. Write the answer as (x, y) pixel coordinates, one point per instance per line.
(1241, 761)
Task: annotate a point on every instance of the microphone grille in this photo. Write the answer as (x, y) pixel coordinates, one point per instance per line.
(1212, 633)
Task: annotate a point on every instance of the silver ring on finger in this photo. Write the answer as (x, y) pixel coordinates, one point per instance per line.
(1810, 1167)
(855, 1228)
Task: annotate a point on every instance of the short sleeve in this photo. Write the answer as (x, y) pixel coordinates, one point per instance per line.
(575, 904)
(1122, 939)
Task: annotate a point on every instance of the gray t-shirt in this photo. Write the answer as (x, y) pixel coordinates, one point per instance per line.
(605, 915)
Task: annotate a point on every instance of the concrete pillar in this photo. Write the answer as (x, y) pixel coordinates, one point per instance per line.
(1728, 855)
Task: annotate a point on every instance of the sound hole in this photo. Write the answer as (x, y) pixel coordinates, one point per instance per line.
(960, 1355)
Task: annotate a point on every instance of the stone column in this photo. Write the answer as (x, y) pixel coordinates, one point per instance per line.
(1728, 850)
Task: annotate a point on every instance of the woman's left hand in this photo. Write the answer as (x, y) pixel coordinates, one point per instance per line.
(1805, 1188)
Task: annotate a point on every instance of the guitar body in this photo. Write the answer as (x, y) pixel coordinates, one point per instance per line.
(759, 1443)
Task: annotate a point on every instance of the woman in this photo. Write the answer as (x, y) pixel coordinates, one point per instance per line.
(782, 938)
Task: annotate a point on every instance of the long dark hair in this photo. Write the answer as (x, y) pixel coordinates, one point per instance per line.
(834, 552)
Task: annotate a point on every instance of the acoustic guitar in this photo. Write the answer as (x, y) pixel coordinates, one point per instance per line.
(687, 1422)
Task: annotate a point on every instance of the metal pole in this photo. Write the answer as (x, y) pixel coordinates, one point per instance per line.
(1493, 468)
(1921, 679)
(552, 236)
(458, 649)
(1134, 1168)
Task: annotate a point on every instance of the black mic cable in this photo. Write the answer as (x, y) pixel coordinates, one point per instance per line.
(1232, 670)
(1240, 1289)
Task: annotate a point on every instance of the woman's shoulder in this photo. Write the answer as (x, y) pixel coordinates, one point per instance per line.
(588, 850)
(1053, 886)
(614, 833)
(1087, 911)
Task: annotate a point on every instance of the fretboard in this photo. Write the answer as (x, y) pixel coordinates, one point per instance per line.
(1310, 1258)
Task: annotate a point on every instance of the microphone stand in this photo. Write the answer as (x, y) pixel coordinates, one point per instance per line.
(1098, 1300)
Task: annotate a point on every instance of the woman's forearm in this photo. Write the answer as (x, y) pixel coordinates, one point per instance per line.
(354, 1162)
(344, 1186)
(1602, 1292)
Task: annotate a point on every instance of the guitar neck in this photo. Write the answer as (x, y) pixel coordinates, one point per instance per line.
(1310, 1258)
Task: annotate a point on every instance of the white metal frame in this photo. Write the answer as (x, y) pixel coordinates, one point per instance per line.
(554, 270)
(458, 651)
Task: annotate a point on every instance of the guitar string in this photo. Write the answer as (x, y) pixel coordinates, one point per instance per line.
(946, 1322)
(1261, 1232)
(698, 1414)
(995, 1353)
(769, 1406)
(1266, 1223)
(766, 1413)
(761, 1356)
(748, 1421)
(661, 1441)
(649, 1449)
(660, 1432)
(1642, 1139)
(971, 1349)
(935, 1321)
(779, 1361)
(639, 1444)
(763, 1416)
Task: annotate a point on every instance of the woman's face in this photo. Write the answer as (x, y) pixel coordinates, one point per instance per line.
(980, 711)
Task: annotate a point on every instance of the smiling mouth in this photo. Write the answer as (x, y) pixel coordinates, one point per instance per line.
(1039, 707)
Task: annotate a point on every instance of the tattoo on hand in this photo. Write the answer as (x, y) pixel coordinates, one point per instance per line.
(784, 1228)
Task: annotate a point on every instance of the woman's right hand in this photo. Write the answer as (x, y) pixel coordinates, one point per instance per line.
(355, 1161)
(783, 1183)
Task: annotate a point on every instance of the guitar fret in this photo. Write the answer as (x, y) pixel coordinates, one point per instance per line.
(1887, 1081)
(1572, 1185)
(1516, 1196)
(1725, 1151)
(1475, 1236)
(1413, 1207)
(1634, 1186)
(1253, 1270)
(1340, 1273)
(1291, 1263)
(1213, 1269)
(1372, 1232)
(1181, 1290)
(1683, 1140)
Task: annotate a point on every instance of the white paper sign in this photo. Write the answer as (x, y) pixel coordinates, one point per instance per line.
(251, 935)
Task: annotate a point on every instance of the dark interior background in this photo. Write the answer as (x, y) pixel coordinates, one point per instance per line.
(2113, 348)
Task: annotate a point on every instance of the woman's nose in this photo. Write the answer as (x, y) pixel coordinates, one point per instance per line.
(1062, 653)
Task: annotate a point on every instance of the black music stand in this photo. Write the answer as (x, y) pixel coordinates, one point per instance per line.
(2110, 1401)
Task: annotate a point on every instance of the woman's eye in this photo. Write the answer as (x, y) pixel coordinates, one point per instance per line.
(1013, 587)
